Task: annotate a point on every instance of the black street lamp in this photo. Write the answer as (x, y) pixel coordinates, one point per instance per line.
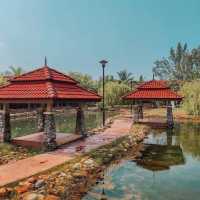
(131, 101)
(103, 63)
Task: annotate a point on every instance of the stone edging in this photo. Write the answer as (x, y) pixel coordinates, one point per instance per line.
(73, 179)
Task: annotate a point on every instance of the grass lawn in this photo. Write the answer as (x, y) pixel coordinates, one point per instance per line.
(178, 113)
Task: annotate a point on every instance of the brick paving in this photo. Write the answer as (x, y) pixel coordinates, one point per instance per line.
(21, 169)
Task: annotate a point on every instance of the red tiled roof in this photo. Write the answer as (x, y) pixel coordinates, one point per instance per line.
(153, 90)
(50, 84)
(153, 84)
(154, 94)
(44, 73)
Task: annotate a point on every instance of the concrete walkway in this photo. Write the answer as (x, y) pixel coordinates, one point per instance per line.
(25, 168)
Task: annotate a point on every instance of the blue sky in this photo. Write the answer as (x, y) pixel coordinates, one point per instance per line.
(76, 34)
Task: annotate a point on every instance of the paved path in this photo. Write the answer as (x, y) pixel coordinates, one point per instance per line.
(21, 169)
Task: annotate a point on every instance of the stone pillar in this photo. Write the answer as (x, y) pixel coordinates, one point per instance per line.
(49, 131)
(136, 114)
(40, 120)
(5, 124)
(80, 122)
(170, 120)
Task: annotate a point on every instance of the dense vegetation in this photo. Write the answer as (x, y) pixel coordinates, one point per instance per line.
(182, 69)
(114, 91)
(85, 80)
(115, 88)
(181, 64)
(12, 72)
(191, 92)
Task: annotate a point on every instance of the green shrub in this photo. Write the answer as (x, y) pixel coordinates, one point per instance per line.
(191, 93)
(114, 91)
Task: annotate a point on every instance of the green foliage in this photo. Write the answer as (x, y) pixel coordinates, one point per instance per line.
(9, 152)
(16, 71)
(3, 80)
(141, 78)
(175, 84)
(114, 91)
(125, 76)
(85, 80)
(191, 93)
(181, 64)
(107, 78)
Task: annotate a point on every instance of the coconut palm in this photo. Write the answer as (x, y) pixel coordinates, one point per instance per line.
(125, 76)
(16, 71)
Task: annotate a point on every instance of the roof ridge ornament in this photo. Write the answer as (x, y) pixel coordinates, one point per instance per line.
(45, 61)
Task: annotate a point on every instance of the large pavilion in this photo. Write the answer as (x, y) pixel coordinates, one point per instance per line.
(151, 91)
(44, 89)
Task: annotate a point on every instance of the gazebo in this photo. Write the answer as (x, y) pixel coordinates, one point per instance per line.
(44, 89)
(151, 91)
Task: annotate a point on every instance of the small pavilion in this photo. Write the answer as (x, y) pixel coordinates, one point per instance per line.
(152, 91)
(44, 89)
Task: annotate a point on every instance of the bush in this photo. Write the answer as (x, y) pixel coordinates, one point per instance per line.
(191, 93)
(3, 80)
(114, 91)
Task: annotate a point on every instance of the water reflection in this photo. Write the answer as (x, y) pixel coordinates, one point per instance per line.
(189, 139)
(65, 122)
(169, 169)
(161, 157)
(161, 152)
(185, 135)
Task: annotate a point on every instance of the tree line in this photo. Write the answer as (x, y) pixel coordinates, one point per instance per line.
(115, 87)
(181, 64)
(182, 69)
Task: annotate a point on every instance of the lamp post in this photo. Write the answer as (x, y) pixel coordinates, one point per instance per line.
(103, 63)
(131, 101)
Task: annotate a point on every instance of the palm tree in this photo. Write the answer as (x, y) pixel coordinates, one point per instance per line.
(141, 78)
(125, 76)
(16, 71)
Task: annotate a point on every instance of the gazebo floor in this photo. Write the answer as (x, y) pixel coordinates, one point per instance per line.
(35, 140)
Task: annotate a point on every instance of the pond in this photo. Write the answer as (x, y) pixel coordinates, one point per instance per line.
(65, 122)
(169, 169)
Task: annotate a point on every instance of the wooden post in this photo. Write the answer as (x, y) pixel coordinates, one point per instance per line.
(136, 114)
(80, 122)
(170, 120)
(49, 129)
(5, 123)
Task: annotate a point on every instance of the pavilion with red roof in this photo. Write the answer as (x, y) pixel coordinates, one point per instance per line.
(45, 88)
(154, 90)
